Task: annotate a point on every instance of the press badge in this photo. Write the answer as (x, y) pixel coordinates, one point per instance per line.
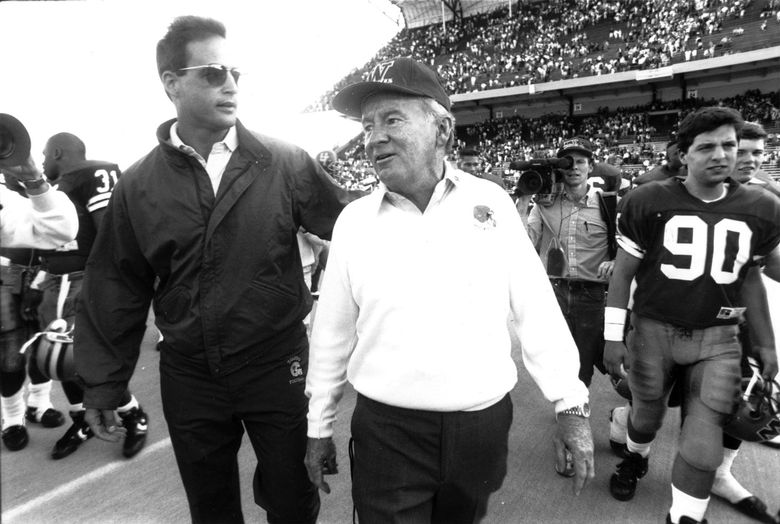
(728, 313)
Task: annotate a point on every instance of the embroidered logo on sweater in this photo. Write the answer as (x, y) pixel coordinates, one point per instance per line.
(484, 217)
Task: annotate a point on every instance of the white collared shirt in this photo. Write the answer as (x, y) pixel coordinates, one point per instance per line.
(218, 158)
(414, 306)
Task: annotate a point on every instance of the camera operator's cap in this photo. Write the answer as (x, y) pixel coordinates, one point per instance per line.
(14, 141)
(399, 75)
(576, 145)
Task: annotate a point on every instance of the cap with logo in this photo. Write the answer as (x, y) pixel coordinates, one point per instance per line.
(399, 75)
(576, 145)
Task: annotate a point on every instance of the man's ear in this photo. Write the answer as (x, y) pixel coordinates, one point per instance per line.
(444, 128)
(170, 81)
(57, 153)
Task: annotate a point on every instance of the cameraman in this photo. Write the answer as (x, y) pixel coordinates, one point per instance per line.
(571, 236)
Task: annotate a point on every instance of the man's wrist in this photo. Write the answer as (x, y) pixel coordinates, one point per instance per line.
(614, 323)
(35, 186)
(580, 410)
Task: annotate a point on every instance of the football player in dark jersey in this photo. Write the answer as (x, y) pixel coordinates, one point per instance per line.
(752, 138)
(690, 245)
(89, 184)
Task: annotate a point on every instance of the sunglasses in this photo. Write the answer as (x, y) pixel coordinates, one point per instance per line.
(215, 74)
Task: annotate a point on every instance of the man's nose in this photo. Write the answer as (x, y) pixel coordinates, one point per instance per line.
(230, 85)
(377, 135)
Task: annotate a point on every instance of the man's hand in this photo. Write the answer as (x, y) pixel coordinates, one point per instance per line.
(31, 298)
(605, 269)
(768, 361)
(615, 358)
(24, 172)
(573, 434)
(103, 424)
(320, 460)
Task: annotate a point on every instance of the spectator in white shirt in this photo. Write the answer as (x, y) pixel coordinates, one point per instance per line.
(46, 220)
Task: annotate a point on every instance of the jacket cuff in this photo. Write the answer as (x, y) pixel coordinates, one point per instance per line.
(105, 396)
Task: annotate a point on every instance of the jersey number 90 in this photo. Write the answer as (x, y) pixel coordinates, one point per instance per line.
(730, 248)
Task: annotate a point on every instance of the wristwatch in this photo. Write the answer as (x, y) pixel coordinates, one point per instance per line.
(583, 410)
(34, 183)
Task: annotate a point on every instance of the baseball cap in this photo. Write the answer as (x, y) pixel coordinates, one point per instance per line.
(399, 75)
(576, 145)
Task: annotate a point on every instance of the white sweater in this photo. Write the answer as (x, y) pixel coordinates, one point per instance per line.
(414, 306)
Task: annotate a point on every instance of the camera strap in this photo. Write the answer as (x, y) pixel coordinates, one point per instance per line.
(556, 258)
(608, 206)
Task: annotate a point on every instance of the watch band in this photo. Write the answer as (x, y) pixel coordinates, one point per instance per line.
(582, 410)
(33, 184)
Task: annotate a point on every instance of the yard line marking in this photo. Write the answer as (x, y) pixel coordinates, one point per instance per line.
(73, 485)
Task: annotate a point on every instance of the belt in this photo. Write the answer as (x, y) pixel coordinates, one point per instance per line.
(72, 275)
(577, 284)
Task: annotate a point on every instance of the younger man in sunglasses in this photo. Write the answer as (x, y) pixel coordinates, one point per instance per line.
(212, 212)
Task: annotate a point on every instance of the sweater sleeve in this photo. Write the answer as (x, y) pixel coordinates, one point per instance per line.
(549, 352)
(333, 340)
(44, 221)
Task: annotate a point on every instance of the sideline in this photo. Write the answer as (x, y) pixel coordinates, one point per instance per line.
(66, 489)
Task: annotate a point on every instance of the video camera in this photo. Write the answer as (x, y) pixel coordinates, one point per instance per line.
(14, 141)
(539, 176)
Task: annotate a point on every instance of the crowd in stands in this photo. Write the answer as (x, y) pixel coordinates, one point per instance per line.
(623, 137)
(550, 41)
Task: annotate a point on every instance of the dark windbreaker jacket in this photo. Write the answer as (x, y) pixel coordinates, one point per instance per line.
(230, 279)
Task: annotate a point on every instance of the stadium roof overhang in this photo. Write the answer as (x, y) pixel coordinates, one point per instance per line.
(419, 13)
(761, 63)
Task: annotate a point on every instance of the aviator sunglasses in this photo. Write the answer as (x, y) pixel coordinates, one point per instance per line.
(215, 74)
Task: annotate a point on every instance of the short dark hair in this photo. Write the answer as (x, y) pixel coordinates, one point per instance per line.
(706, 119)
(753, 131)
(172, 49)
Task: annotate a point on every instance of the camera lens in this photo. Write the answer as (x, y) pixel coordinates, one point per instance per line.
(7, 145)
(530, 183)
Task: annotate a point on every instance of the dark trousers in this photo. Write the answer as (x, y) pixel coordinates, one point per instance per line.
(206, 418)
(413, 466)
(582, 304)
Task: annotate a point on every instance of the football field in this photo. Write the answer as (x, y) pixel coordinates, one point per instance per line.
(97, 485)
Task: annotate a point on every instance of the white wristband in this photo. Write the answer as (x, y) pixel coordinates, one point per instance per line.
(614, 323)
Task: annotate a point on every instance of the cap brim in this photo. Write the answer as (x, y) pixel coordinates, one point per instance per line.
(14, 142)
(349, 100)
(580, 150)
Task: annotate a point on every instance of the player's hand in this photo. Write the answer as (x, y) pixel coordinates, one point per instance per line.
(320, 460)
(615, 358)
(768, 361)
(103, 424)
(605, 269)
(573, 434)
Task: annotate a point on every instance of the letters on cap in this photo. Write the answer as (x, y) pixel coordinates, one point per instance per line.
(579, 145)
(401, 76)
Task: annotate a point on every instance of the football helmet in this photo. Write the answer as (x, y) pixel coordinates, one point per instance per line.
(757, 417)
(51, 351)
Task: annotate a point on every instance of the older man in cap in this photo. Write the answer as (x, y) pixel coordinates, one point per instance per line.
(431, 361)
